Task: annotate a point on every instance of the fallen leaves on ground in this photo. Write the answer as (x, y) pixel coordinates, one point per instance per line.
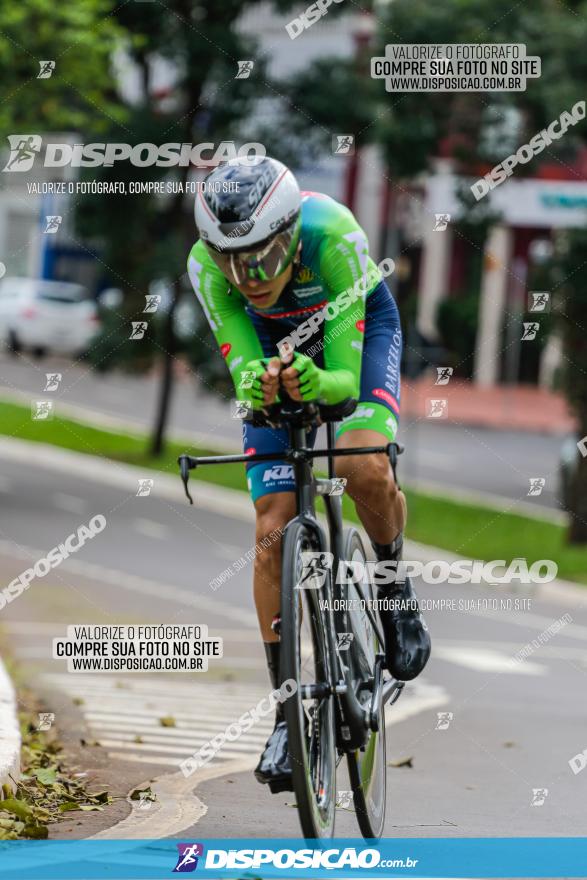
(46, 789)
(401, 762)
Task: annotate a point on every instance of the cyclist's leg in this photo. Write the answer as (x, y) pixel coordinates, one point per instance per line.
(272, 486)
(380, 504)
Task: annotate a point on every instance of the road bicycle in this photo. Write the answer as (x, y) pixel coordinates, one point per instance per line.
(331, 640)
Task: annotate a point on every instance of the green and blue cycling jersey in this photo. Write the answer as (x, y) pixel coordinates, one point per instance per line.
(336, 309)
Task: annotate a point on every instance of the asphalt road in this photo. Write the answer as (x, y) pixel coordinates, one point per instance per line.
(438, 455)
(513, 728)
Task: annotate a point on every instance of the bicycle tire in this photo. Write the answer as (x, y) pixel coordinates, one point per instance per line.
(367, 766)
(311, 746)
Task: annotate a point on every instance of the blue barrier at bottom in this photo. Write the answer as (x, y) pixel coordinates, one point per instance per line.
(265, 858)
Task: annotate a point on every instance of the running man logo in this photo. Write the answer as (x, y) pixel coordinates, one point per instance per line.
(537, 484)
(531, 328)
(42, 410)
(444, 374)
(343, 641)
(441, 222)
(247, 378)
(188, 854)
(437, 408)
(46, 69)
(343, 799)
(242, 409)
(539, 301)
(539, 795)
(52, 223)
(139, 329)
(145, 800)
(23, 151)
(315, 567)
(46, 719)
(152, 302)
(444, 719)
(145, 487)
(53, 381)
(245, 69)
(343, 144)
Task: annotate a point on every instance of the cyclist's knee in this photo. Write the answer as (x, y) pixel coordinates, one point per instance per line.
(368, 477)
(274, 511)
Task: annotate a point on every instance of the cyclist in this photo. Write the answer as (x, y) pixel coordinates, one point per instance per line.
(283, 272)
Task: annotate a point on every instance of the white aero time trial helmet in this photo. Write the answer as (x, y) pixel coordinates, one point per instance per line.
(248, 216)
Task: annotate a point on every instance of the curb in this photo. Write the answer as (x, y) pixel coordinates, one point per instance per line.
(10, 742)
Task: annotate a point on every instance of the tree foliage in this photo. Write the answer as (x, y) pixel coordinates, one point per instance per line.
(79, 37)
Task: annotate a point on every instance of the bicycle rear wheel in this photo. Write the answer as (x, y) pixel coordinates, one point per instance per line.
(367, 766)
(309, 712)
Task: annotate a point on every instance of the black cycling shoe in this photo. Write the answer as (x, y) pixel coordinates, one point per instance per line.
(274, 767)
(407, 640)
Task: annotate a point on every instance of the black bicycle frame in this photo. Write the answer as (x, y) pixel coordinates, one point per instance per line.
(300, 456)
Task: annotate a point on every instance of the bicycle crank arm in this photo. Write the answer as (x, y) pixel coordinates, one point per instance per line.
(383, 692)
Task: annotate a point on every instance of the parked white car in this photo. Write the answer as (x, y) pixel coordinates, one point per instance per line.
(43, 316)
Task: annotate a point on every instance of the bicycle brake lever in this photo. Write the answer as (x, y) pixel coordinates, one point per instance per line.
(184, 469)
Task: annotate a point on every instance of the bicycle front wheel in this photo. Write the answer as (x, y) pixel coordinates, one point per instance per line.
(367, 766)
(305, 660)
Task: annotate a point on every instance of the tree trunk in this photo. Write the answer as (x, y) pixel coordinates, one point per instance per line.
(166, 387)
(175, 218)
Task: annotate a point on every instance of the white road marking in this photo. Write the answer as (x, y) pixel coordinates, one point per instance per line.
(151, 529)
(488, 660)
(117, 715)
(69, 503)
